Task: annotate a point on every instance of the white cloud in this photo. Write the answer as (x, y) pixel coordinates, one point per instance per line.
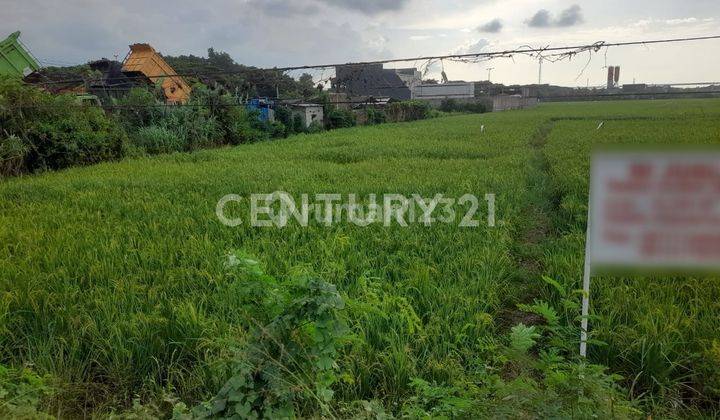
(681, 21)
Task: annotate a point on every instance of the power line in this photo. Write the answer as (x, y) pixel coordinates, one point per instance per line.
(597, 45)
(568, 51)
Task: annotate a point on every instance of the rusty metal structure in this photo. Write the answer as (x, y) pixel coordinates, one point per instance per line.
(144, 61)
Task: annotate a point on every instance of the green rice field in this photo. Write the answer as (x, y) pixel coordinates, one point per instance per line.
(116, 296)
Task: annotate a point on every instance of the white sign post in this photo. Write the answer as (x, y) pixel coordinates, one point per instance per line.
(651, 212)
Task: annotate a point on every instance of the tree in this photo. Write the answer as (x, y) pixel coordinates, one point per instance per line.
(221, 71)
(306, 85)
(220, 59)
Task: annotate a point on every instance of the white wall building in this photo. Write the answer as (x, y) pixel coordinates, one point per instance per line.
(309, 113)
(450, 90)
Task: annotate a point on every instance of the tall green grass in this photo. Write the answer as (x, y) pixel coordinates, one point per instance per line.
(113, 277)
(661, 333)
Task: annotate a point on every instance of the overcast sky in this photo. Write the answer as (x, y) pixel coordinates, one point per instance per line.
(269, 33)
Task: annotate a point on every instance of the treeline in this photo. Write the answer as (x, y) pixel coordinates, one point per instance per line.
(218, 71)
(221, 71)
(40, 131)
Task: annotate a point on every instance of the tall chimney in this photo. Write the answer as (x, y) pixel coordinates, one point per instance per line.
(611, 78)
(617, 75)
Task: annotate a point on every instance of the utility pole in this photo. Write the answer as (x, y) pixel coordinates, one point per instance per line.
(489, 69)
(540, 70)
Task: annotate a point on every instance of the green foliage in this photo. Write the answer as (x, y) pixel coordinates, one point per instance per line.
(235, 125)
(298, 125)
(139, 108)
(13, 152)
(289, 362)
(543, 309)
(110, 281)
(315, 126)
(339, 118)
(22, 393)
(522, 338)
(195, 127)
(276, 129)
(284, 115)
(407, 111)
(55, 133)
(375, 116)
(293, 123)
(209, 119)
(654, 330)
(452, 105)
(158, 140)
(306, 85)
(437, 401)
(221, 71)
(513, 382)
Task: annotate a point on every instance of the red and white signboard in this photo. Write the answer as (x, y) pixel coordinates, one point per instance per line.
(652, 211)
(655, 210)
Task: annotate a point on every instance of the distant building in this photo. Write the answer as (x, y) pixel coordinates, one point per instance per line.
(634, 87)
(309, 113)
(371, 80)
(410, 76)
(450, 90)
(529, 91)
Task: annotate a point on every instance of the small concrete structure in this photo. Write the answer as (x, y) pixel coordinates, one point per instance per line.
(507, 102)
(309, 113)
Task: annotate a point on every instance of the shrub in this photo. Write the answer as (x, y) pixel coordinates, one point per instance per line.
(13, 152)
(375, 116)
(210, 118)
(194, 126)
(289, 358)
(299, 126)
(155, 140)
(22, 392)
(451, 105)
(315, 127)
(448, 105)
(407, 111)
(293, 123)
(139, 108)
(276, 129)
(339, 118)
(56, 131)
